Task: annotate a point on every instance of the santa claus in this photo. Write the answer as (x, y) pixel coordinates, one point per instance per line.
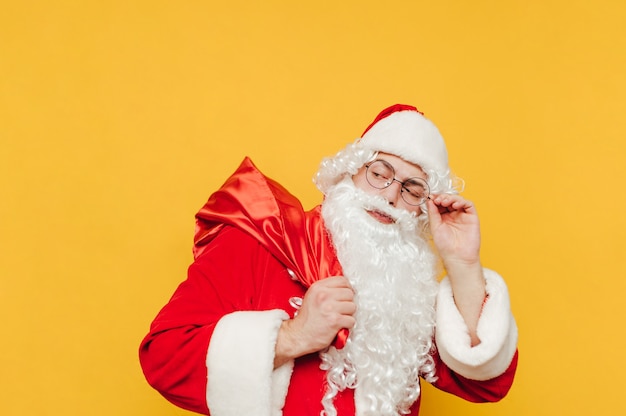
(337, 310)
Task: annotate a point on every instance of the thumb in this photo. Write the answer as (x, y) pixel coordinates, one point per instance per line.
(434, 217)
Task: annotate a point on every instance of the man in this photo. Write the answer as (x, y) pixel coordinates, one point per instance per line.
(333, 311)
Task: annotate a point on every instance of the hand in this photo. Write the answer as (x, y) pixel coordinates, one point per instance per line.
(455, 228)
(327, 307)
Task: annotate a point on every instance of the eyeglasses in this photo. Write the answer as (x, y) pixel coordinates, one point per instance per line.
(380, 175)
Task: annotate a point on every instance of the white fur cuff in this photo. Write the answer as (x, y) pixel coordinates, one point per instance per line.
(240, 363)
(496, 329)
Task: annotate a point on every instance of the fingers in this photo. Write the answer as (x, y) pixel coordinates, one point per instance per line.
(335, 281)
(328, 306)
(332, 296)
(450, 203)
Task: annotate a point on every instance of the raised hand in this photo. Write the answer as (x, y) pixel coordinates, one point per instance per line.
(455, 228)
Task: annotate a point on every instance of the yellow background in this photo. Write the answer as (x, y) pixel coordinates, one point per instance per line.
(119, 118)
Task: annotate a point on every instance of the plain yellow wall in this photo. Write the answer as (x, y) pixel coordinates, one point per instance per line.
(119, 118)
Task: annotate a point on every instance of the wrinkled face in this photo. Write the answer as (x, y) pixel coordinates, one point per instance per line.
(403, 171)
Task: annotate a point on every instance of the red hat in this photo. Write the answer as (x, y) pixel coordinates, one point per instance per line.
(402, 130)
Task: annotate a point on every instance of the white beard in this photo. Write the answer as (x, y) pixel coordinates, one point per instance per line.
(392, 270)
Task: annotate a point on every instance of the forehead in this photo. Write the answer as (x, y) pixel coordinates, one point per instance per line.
(403, 168)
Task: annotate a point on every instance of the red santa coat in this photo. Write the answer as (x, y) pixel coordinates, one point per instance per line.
(256, 250)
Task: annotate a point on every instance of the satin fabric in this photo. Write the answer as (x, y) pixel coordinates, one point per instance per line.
(264, 209)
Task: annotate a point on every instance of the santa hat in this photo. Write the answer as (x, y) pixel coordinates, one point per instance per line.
(402, 130)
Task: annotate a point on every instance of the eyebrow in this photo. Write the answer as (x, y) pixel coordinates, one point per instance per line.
(421, 171)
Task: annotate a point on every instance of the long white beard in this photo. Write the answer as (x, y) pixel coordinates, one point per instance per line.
(392, 270)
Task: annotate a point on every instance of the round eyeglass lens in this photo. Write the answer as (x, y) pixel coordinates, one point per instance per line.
(415, 191)
(380, 174)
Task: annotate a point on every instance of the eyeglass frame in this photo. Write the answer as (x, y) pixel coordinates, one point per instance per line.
(394, 179)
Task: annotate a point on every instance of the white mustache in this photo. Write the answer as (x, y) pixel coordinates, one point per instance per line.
(381, 205)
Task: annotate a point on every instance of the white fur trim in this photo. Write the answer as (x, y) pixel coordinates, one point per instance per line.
(411, 136)
(496, 329)
(240, 363)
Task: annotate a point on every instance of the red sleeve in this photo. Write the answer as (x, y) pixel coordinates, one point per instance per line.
(221, 281)
(475, 391)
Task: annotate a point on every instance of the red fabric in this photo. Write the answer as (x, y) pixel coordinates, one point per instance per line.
(389, 111)
(242, 271)
(265, 210)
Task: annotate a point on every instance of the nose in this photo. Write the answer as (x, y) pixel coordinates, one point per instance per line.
(392, 192)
